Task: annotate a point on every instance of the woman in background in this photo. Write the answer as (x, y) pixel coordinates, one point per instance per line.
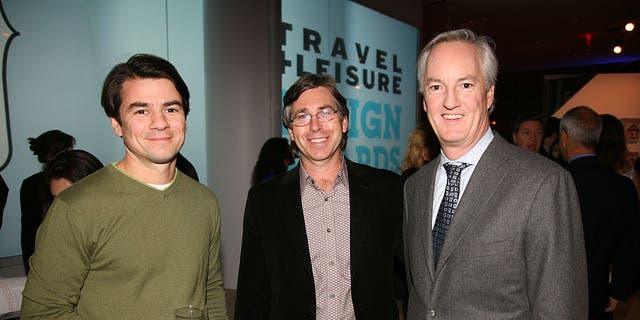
(422, 146)
(612, 148)
(274, 158)
(69, 167)
(35, 197)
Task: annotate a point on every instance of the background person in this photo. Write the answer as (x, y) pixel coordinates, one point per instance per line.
(528, 131)
(183, 164)
(612, 147)
(274, 158)
(551, 129)
(422, 146)
(610, 213)
(4, 193)
(35, 197)
(68, 167)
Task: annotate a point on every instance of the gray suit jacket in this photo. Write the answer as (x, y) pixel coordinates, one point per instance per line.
(514, 249)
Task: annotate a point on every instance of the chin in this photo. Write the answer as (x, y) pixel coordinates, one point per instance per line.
(163, 159)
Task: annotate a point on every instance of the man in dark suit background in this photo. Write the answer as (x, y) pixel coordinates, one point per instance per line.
(512, 246)
(609, 208)
(319, 240)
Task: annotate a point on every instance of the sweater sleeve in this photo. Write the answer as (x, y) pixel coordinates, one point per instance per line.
(216, 302)
(58, 267)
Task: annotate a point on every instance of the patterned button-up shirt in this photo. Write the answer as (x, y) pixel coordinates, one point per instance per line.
(327, 222)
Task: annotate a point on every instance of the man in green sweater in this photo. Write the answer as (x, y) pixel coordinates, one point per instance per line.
(138, 238)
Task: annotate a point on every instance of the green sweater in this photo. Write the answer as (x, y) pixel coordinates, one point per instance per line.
(112, 247)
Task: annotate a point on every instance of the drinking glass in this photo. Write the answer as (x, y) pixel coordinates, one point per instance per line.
(191, 313)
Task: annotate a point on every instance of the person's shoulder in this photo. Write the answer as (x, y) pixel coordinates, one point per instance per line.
(95, 183)
(193, 187)
(276, 182)
(33, 180)
(367, 169)
(523, 161)
(623, 181)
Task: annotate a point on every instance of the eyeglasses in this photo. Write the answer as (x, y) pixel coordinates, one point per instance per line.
(324, 115)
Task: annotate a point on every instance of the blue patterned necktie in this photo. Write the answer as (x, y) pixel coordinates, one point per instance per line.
(447, 207)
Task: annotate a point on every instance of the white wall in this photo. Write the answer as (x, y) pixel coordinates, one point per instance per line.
(242, 87)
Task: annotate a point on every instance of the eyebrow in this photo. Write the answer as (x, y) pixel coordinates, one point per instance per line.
(304, 109)
(475, 78)
(139, 104)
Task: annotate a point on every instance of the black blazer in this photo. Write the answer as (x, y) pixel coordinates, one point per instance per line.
(275, 279)
(35, 199)
(609, 208)
(4, 193)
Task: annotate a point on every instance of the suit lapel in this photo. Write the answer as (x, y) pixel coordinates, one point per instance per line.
(482, 186)
(424, 207)
(290, 199)
(359, 202)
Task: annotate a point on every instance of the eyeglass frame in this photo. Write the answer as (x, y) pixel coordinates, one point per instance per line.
(317, 115)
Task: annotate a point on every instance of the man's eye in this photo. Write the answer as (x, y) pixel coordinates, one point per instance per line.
(301, 116)
(172, 110)
(467, 85)
(434, 87)
(326, 112)
(140, 111)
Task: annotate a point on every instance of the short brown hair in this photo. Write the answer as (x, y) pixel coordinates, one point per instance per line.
(312, 81)
(140, 66)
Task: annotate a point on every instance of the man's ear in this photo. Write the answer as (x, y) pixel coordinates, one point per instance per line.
(291, 136)
(345, 124)
(117, 129)
(490, 96)
(562, 140)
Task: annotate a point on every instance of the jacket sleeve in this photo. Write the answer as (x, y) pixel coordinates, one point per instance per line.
(253, 294)
(626, 254)
(554, 253)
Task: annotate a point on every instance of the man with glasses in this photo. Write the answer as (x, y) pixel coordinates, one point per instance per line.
(319, 240)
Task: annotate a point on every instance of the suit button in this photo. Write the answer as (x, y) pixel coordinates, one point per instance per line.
(432, 313)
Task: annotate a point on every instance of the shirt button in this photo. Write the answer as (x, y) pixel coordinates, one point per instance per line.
(332, 296)
(331, 263)
(432, 313)
(326, 199)
(328, 230)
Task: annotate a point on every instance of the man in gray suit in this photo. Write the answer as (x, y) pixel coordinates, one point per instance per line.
(504, 240)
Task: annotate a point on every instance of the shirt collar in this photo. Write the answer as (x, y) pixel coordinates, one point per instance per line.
(341, 178)
(584, 155)
(473, 156)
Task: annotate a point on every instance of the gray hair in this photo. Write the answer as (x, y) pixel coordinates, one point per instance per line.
(582, 125)
(485, 48)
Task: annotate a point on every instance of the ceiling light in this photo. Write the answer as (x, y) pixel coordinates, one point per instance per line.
(629, 26)
(617, 49)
